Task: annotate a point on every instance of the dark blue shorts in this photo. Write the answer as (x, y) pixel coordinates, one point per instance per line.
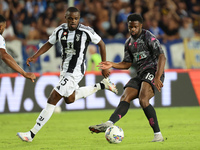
(147, 76)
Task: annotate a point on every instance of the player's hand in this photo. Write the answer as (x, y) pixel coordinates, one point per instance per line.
(158, 84)
(105, 65)
(30, 59)
(30, 76)
(105, 73)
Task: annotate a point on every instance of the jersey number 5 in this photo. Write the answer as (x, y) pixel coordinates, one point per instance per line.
(63, 81)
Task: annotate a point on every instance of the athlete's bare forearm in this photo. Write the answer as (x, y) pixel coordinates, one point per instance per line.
(42, 50)
(121, 65)
(9, 60)
(102, 48)
(161, 65)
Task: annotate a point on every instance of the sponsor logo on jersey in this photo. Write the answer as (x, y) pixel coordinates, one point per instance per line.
(139, 55)
(70, 51)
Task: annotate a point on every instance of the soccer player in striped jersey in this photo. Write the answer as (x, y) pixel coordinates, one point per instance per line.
(74, 39)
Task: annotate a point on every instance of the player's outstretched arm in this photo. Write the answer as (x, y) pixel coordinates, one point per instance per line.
(30, 76)
(41, 51)
(9, 60)
(120, 65)
(105, 65)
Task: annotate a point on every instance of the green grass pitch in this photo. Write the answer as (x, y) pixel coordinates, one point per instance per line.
(68, 130)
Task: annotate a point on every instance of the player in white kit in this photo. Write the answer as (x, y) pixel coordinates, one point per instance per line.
(74, 39)
(8, 59)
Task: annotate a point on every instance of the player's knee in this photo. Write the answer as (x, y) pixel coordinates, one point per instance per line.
(144, 103)
(69, 100)
(53, 100)
(144, 100)
(125, 98)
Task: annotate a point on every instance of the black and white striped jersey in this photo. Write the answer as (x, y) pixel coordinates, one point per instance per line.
(74, 46)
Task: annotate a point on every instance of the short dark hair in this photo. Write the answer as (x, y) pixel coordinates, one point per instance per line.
(2, 19)
(135, 17)
(73, 9)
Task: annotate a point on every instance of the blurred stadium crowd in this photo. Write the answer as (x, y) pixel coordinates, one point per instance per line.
(36, 19)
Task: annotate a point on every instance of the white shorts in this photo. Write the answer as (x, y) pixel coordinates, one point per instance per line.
(68, 84)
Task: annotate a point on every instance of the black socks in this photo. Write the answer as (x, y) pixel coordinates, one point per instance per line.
(149, 111)
(120, 111)
(151, 116)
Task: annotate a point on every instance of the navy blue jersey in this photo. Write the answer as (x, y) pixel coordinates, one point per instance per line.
(143, 51)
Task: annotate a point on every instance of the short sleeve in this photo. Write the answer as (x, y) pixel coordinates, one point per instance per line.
(154, 44)
(127, 53)
(95, 38)
(2, 43)
(52, 38)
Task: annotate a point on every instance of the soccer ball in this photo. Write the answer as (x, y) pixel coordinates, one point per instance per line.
(114, 134)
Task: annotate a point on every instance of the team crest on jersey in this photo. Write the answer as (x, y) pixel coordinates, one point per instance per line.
(65, 33)
(77, 37)
(135, 44)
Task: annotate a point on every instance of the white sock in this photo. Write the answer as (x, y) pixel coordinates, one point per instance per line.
(157, 133)
(85, 91)
(43, 117)
(110, 122)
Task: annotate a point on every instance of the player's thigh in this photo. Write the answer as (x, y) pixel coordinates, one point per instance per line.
(146, 91)
(54, 97)
(70, 99)
(148, 76)
(131, 89)
(129, 94)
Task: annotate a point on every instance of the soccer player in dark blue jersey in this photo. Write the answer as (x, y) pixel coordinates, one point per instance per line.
(144, 50)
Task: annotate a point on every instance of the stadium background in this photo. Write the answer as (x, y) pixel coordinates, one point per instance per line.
(29, 23)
